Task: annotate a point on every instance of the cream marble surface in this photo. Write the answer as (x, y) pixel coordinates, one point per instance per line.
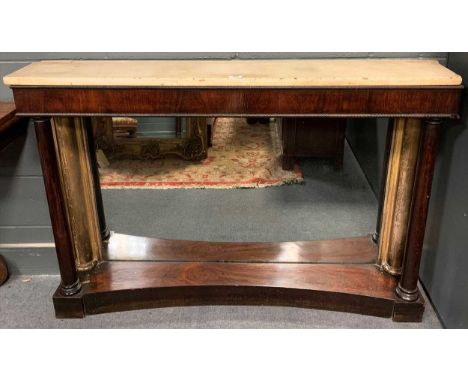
(289, 73)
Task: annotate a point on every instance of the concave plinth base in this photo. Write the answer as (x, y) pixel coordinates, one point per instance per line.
(147, 273)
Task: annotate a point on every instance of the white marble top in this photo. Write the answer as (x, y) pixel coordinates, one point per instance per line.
(232, 73)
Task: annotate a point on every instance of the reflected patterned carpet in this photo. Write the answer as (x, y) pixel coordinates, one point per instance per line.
(242, 156)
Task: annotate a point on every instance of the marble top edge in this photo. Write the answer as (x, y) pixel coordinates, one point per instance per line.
(235, 73)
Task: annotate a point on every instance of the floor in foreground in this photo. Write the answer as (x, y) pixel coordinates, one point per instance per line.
(26, 302)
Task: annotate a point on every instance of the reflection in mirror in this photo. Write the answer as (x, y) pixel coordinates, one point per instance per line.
(239, 188)
(151, 138)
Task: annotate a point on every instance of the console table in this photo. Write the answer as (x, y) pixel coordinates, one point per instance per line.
(105, 272)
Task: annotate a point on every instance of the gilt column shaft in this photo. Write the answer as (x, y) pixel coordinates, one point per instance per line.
(77, 182)
(399, 185)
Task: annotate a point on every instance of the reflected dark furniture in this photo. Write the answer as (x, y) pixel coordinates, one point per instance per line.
(7, 115)
(11, 126)
(102, 273)
(312, 137)
(8, 120)
(253, 120)
(3, 270)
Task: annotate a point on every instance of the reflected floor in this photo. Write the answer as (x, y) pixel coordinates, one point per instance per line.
(329, 205)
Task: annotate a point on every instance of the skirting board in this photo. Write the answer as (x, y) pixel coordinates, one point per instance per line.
(31, 261)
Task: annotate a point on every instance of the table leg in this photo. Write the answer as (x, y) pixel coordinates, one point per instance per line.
(3, 271)
(407, 288)
(178, 127)
(383, 183)
(70, 283)
(105, 233)
(288, 132)
(196, 146)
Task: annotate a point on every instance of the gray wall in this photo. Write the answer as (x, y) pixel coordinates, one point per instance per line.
(367, 139)
(444, 269)
(24, 216)
(23, 210)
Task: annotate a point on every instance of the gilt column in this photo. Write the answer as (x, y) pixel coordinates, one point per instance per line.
(77, 182)
(395, 215)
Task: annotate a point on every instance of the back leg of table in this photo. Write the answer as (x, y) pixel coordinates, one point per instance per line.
(3, 271)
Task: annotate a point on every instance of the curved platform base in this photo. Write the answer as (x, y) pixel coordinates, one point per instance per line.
(120, 286)
(181, 273)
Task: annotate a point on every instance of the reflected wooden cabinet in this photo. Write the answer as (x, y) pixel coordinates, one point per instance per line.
(312, 137)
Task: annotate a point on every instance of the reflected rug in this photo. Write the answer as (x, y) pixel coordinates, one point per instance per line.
(242, 156)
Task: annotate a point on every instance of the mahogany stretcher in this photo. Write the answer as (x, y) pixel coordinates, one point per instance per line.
(104, 272)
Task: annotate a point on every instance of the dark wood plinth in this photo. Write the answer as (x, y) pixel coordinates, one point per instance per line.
(405, 311)
(336, 275)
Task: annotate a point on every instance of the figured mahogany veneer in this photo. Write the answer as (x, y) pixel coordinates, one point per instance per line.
(123, 285)
(360, 289)
(442, 101)
(354, 250)
(140, 272)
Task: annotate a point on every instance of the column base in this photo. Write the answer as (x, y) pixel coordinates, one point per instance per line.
(70, 290)
(391, 270)
(407, 295)
(405, 311)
